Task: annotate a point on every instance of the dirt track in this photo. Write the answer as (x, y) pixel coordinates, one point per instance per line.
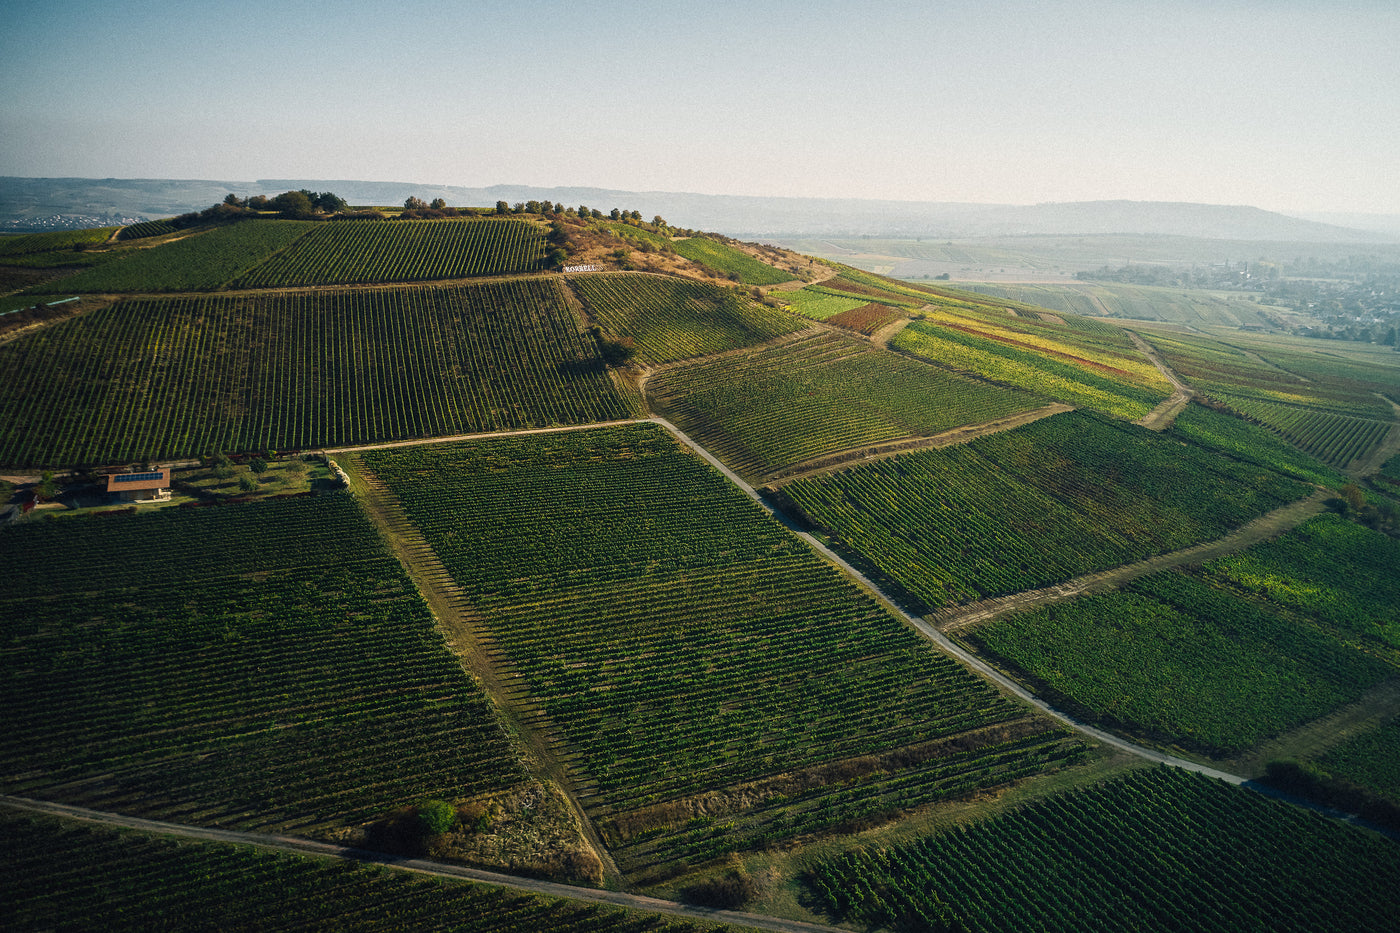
(1285, 518)
(420, 866)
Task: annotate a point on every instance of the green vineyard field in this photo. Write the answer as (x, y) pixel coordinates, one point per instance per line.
(682, 640)
(1237, 438)
(202, 261)
(675, 319)
(366, 252)
(1025, 508)
(257, 666)
(179, 377)
(1337, 440)
(62, 871)
(1157, 850)
(1028, 370)
(726, 259)
(818, 394)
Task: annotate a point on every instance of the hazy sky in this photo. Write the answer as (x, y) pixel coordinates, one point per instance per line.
(1285, 105)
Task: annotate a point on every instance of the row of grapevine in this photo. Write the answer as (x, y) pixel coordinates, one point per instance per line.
(146, 228)
(1029, 370)
(203, 261)
(724, 258)
(678, 637)
(301, 683)
(67, 875)
(30, 243)
(1161, 850)
(1054, 499)
(363, 252)
(866, 319)
(1334, 439)
(1181, 659)
(818, 394)
(1241, 440)
(675, 319)
(161, 378)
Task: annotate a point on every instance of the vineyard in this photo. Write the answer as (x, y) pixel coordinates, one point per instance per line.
(1156, 850)
(365, 252)
(1180, 658)
(147, 228)
(1030, 370)
(682, 641)
(30, 243)
(1337, 574)
(1025, 508)
(1237, 438)
(267, 665)
(818, 305)
(816, 394)
(1344, 382)
(866, 319)
(61, 871)
(675, 319)
(160, 378)
(726, 259)
(199, 262)
(1371, 760)
(1337, 440)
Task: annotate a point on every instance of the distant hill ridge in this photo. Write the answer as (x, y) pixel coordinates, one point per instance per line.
(738, 215)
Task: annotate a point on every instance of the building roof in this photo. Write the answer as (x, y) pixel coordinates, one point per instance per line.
(135, 482)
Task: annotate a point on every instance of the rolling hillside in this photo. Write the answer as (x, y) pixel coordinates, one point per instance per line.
(583, 550)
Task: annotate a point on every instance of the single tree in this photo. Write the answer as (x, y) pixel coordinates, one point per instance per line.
(247, 483)
(502, 207)
(415, 204)
(438, 204)
(258, 465)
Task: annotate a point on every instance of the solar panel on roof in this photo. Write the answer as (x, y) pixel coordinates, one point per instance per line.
(138, 477)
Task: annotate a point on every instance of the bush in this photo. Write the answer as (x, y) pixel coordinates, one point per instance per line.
(436, 816)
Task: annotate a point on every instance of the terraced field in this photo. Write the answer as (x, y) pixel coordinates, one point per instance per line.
(180, 377)
(816, 394)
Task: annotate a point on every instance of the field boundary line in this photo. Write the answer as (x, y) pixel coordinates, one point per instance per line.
(883, 450)
(932, 634)
(1164, 415)
(546, 752)
(311, 847)
(1269, 525)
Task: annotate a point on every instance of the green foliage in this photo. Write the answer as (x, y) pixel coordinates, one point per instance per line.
(1335, 572)
(199, 262)
(674, 319)
(156, 664)
(728, 260)
(147, 228)
(1371, 761)
(298, 371)
(1338, 440)
(681, 640)
(818, 394)
(1025, 508)
(68, 240)
(819, 306)
(436, 816)
(247, 483)
(402, 251)
(1237, 438)
(1026, 369)
(1147, 851)
(1178, 657)
(66, 875)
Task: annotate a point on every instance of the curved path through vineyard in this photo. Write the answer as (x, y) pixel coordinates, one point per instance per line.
(1161, 417)
(312, 848)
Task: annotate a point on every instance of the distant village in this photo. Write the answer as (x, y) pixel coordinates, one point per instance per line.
(67, 222)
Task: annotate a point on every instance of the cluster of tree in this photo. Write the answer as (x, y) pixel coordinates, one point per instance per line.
(418, 209)
(583, 212)
(293, 205)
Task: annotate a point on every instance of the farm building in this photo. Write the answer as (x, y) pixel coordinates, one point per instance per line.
(140, 487)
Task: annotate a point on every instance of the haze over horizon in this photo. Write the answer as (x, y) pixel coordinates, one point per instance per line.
(1279, 105)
